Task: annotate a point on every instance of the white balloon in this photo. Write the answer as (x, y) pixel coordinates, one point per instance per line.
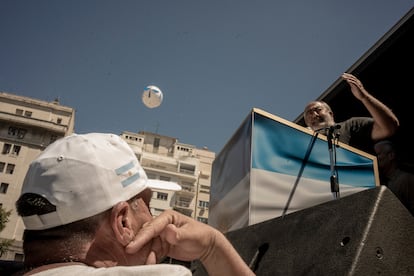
(152, 96)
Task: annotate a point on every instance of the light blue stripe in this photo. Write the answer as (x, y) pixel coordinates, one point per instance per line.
(130, 179)
(124, 168)
(280, 148)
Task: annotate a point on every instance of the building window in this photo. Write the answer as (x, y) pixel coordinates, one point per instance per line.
(19, 111)
(16, 150)
(203, 204)
(187, 168)
(183, 202)
(162, 196)
(10, 168)
(12, 131)
(3, 188)
(59, 121)
(133, 138)
(203, 220)
(165, 178)
(205, 189)
(151, 176)
(2, 165)
(6, 148)
(19, 132)
(183, 149)
(28, 113)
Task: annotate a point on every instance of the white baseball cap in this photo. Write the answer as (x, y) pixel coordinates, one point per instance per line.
(84, 175)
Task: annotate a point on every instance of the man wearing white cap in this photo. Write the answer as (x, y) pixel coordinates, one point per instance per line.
(85, 206)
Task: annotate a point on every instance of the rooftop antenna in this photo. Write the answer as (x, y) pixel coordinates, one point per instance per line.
(156, 127)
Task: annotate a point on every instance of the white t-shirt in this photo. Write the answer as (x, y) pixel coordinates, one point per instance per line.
(147, 270)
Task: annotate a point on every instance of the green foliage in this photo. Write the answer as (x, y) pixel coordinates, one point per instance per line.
(4, 218)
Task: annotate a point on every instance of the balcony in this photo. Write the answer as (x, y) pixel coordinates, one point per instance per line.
(33, 122)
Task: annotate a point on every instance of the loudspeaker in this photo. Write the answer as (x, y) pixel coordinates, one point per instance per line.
(366, 233)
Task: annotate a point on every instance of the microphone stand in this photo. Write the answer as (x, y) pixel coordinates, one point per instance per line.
(332, 161)
(305, 160)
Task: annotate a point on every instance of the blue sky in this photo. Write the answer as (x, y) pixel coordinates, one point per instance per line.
(214, 60)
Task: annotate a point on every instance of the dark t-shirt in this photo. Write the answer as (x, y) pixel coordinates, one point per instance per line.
(356, 132)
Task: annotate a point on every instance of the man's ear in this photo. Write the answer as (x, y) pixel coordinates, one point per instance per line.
(121, 224)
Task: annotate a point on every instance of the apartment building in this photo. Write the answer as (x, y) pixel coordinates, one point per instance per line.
(27, 126)
(165, 158)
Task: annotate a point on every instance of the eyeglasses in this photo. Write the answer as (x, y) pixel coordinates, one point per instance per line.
(133, 202)
(317, 109)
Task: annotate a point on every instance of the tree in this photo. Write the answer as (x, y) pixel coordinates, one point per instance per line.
(4, 218)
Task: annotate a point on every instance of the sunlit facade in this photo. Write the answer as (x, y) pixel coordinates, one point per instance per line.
(165, 158)
(27, 127)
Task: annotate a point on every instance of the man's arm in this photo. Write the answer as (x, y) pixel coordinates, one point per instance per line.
(180, 237)
(385, 121)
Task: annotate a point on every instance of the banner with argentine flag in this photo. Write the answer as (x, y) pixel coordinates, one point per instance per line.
(272, 167)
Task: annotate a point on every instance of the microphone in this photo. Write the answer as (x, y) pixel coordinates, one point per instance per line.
(334, 127)
(330, 129)
(332, 134)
